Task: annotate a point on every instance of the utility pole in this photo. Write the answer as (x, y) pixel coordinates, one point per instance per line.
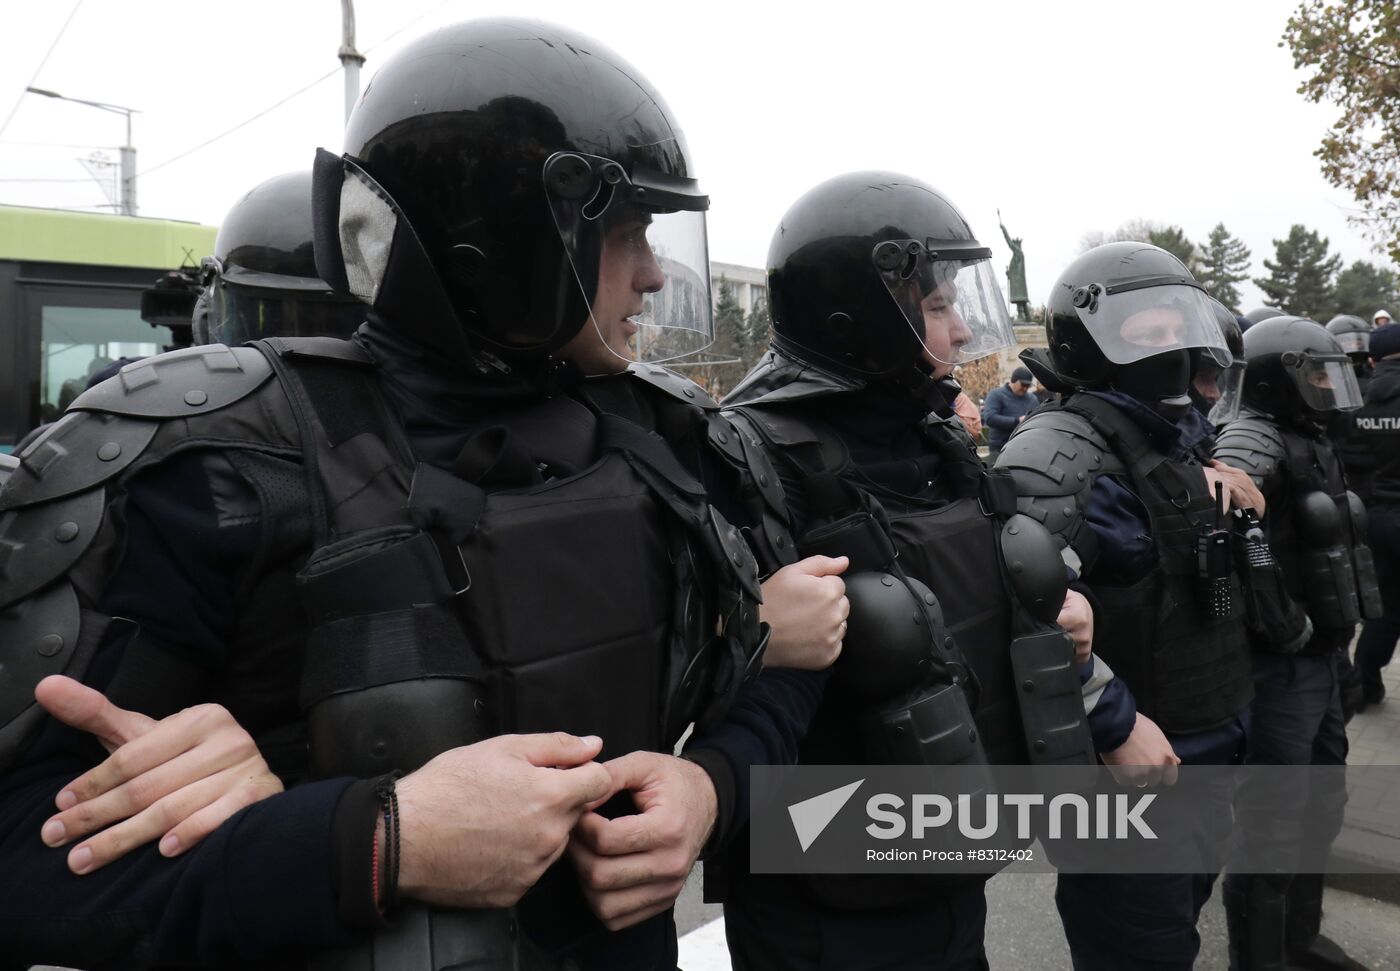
(128, 151)
(350, 58)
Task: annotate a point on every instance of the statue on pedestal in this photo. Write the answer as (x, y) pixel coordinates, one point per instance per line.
(1016, 275)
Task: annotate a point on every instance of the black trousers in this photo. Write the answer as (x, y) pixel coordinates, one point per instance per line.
(1297, 720)
(1378, 637)
(772, 924)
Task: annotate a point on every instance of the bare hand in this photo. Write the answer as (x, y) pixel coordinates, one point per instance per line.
(634, 867)
(480, 824)
(1145, 759)
(176, 779)
(1077, 618)
(805, 604)
(1240, 492)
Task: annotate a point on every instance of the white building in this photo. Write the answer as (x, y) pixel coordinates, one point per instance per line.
(749, 283)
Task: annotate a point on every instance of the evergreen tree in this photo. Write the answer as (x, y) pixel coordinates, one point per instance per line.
(1224, 262)
(1363, 288)
(1170, 238)
(1300, 279)
(757, 332)
(1173, 240)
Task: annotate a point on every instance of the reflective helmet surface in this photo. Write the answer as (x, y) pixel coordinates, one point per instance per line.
(869, 271)
(1295, 367)
(512, 148)
(1128, 315)
(261, 279)
(1263, 313)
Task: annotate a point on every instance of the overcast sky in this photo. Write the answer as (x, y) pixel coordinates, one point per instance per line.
(1069, 116)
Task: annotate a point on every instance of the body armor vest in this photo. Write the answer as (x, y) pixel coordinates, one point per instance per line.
(1187, 666)
(955, 548)
(1320, 543)
(436, 608)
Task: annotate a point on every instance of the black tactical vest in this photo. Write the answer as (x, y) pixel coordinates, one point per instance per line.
(1319, 540)
(1188, 670)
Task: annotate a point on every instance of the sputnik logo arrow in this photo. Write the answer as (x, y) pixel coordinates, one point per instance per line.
(811, 816)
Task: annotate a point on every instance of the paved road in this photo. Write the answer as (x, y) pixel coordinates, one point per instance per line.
(1023, 930)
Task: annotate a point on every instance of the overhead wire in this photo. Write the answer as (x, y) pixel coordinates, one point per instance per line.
(325, 77)
(35, 76)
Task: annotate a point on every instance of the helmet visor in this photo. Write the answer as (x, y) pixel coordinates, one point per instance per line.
(237, 315)
(1129, 324)
(638, 248)
(1230, 383)
(1324, 382)
(949, 297)
(1354, 342)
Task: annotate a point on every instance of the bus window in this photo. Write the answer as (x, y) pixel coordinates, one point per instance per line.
(77, 342)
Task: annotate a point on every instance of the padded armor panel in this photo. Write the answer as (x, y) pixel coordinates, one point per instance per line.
(38, 545)
(8, 463)
(1054, 458)
(674, 384)
(38, 636)
(76, 453)
(177, 384)
(1253, 445)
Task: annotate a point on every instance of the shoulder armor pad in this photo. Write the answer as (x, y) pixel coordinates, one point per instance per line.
(779, 427)
(1253, 445)
(79, 451)
(38, 544)
(190, 381)
(748, 456)
(326, 348)
(1054, 458)
(8, 463)
(676, 385)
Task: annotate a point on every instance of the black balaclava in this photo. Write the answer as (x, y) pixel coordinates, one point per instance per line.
(1162, 381)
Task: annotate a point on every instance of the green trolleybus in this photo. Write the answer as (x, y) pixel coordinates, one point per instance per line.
(70, 299)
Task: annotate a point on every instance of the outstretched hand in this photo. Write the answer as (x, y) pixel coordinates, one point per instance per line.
(176, 779)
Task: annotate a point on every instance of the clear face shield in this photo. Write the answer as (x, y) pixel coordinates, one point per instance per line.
(1354, 342)
(1229, 382)
(949, 296)
(235, 313)
(1144, 319)
(1325, 382)
(637, 242)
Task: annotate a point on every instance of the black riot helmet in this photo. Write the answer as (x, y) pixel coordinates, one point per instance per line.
(869, 271)
(261, 280)
(1295, 367)
(490, 169)
(1130, 317)
(1353, 334)
(1259, 314)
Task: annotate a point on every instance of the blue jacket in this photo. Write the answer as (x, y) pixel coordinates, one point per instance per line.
(1003, 411)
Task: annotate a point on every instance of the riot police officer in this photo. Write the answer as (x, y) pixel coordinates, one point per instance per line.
(1376, 430)
(1113, 472)
(878, 288)
(473, 519)
(1354, 337)
(1297, 378)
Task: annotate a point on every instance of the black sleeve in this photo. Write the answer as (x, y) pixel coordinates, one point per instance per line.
(260, 886)
(764, 728)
